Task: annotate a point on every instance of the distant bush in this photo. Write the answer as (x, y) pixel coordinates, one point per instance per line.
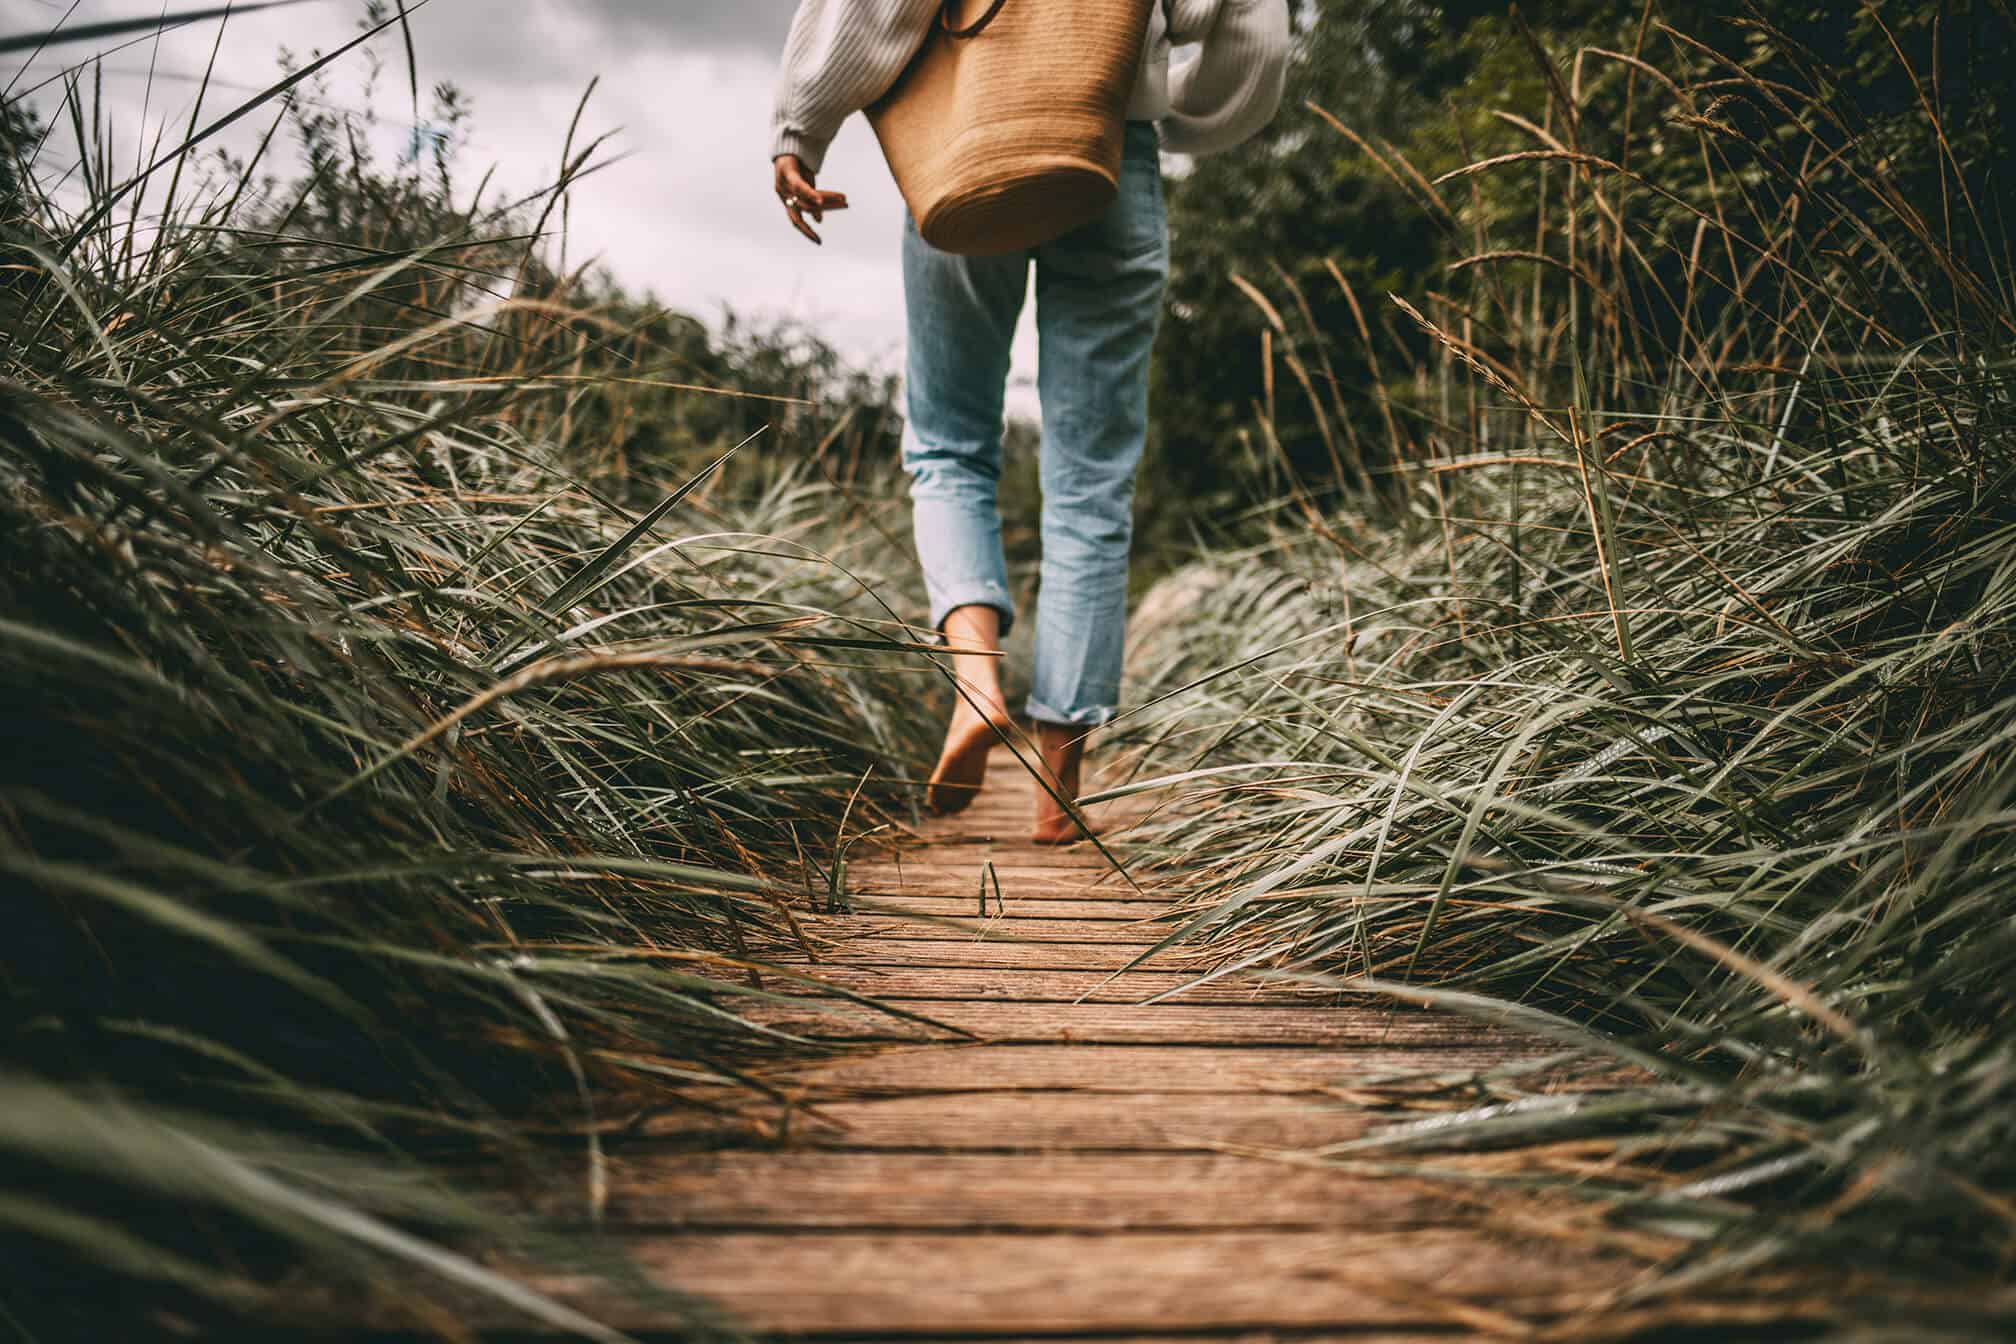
(648, 393)
(1344, 200)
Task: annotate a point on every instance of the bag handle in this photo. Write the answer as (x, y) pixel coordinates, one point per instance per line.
(973, 29)
(945, 19)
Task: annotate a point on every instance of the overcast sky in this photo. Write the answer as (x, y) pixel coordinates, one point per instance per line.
(686, 84)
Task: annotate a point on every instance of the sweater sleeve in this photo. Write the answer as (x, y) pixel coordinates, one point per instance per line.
(1234, 86)
(841, 56)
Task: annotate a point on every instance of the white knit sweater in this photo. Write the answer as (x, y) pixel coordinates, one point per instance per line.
(842, 55)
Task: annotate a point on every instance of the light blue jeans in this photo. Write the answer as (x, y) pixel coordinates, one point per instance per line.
(1098, 305)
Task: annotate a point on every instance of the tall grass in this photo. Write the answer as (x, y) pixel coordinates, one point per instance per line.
(1669, 713)
(378, 796)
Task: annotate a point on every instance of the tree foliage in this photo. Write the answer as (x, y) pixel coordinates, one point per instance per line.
(1348, 191)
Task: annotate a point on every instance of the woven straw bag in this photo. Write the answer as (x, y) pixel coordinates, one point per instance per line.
(1005, 130)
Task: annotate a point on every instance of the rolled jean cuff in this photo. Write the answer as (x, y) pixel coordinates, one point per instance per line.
(978, 593)
(1098, 716)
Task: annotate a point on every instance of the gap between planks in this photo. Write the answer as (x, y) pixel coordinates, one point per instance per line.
(1085, 1165)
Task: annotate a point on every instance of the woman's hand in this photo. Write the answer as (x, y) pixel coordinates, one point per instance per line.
(801, 196)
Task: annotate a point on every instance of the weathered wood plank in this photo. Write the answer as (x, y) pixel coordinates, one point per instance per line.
(967, 889)
(1117, 1024)
(1008, 830)
(1031, 1121)
(890, 1283)
(859, 928)
(967, 895)
(1013, 905)
(1024, 1192)
(1096, 876)
(1343, 1334)
(1065, 1175)
(1133, 1068)
(1053, 986)
(997, 954)
(1008, 862)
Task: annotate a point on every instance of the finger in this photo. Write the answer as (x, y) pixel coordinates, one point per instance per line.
(802, 201)
(798, 223)
(797, 207)
(819, 202)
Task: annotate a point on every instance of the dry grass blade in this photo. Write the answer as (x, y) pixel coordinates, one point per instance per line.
(274, 487)
(1748, 829)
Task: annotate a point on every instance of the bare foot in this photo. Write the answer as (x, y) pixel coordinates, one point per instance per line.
(1060, 831)
(962, 766)
(973, 634)
(1063, 752)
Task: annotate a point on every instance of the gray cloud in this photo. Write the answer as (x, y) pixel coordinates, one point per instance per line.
(547, 41)
(753, 26)
(562, 41)
(687, 214)
(541, 41)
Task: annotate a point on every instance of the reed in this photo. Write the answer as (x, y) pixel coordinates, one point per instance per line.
(1668, 712)
(383, 798)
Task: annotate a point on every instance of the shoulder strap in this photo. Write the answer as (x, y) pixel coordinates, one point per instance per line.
(948, 19)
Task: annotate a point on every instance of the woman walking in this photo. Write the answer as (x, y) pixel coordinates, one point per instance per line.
(1099, 292)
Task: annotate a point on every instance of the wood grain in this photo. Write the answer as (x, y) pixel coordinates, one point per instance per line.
(1055, 985)
(1138, 1068)
(897, 949)
(1364, 1023)
(883, 1283)
(1014, 904)
(1075, 1191)
(1060, 1160)
(849, 931)
(997, 1121)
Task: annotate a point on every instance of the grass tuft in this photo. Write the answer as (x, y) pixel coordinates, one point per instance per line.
(1664, 708)
(382, 796)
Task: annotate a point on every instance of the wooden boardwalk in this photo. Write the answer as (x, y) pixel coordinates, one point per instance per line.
(1087, 1165)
